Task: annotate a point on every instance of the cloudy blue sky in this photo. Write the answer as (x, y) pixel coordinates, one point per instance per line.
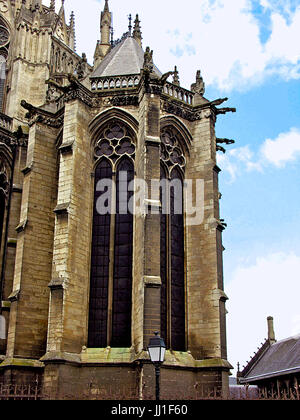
(248, 50)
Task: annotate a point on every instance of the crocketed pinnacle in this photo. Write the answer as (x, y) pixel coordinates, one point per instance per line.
(137, 34)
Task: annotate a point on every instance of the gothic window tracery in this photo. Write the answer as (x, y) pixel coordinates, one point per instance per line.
(172, 242)
(171, 151)
(4, 48)
(4, 183)
(112, 241)
(115, 142)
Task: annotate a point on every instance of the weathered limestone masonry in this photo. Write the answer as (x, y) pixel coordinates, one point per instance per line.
(63, 269)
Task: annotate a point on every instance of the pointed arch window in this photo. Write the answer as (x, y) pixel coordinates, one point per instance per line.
(172, 241)
(4, 188)
(112, 240)
(4, 47)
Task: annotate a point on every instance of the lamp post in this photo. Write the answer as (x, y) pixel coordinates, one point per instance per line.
(157, 351)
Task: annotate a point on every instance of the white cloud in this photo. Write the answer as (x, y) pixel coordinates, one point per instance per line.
(221, 37)
(285, 148)
(272, 153)
(237, 160)
(269, 286)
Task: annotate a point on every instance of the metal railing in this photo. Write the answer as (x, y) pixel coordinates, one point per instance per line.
(20, 392)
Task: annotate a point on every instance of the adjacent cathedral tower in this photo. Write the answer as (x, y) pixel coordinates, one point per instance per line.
(82, 290)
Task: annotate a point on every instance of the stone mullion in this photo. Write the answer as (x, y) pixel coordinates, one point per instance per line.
(152, 279)
(111, 260)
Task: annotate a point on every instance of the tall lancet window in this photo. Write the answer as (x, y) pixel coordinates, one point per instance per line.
(173, 291)
(4, 45)
(4, 188)
(112, 248)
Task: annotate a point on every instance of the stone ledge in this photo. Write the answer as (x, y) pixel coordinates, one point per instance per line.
(62, 209)
(57, 284)
(5, 305)
(152, 140)
(220, 295)
(61, 358)
(27, 169)
(12, 242)
(21, 227)
(173, 359)
(14, 296)
(108, 355)
(21, 363)
(17, 188)
(67, 147)
(152, 281)
(149, 203)
(213, 363)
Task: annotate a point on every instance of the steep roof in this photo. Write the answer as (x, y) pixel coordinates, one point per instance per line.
(125, 58)
(280, 358)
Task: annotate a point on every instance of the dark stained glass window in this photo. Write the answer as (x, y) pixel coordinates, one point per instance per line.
(121, 326)
(164, 262)
(172, 266)
(112, 242)
(99, 266)
(177, 269)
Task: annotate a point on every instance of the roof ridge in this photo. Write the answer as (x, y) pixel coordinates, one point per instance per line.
(264, 347)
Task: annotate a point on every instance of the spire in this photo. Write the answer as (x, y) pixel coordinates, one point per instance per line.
(137, 34)
(130, 24)
(52, 5)
(72, 36)
(105, 24)
(62, 10)
(103, 46)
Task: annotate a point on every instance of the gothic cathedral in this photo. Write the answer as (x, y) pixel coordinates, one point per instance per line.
(95, 254)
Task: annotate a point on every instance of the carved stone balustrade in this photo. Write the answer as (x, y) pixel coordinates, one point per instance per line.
(179, 93)
(115, 82)
(5, 122)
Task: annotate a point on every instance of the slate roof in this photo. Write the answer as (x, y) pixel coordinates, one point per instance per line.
(280, 358)
(125, 58)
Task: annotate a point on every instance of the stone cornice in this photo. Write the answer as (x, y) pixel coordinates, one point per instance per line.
(181, 110)
(38, 115)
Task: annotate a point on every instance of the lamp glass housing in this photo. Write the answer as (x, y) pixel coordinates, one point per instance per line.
(157, 349)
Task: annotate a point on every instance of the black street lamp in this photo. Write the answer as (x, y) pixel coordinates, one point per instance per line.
(157, 351)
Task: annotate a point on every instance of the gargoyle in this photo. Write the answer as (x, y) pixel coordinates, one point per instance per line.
(165, 77)
(221, 149)
(225, 141)
(219, 101)
(30, 108)
(223, 111)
